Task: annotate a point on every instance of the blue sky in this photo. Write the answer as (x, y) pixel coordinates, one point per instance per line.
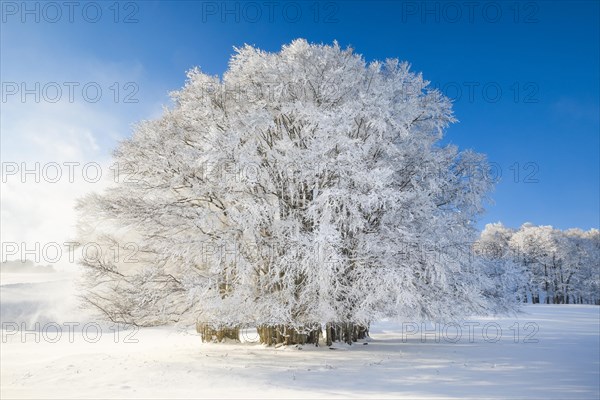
(524, 77)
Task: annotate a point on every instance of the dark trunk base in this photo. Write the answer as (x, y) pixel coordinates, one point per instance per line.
(211, 334)
(287, 335)
(345, 332)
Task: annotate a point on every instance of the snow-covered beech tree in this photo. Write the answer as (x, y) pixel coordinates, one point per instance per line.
(304, 189)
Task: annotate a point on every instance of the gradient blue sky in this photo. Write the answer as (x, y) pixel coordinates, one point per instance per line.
(544, 57)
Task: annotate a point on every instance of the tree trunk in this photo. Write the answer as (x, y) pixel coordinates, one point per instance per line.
(362, 332)
(216, 335)
(287, 335)
(347, 332)
(547, 299)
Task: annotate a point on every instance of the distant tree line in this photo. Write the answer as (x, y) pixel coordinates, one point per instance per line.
(547, 265)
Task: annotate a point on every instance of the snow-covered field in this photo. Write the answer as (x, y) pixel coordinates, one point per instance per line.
(544, 352)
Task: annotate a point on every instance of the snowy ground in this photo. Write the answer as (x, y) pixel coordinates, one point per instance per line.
(554, 354)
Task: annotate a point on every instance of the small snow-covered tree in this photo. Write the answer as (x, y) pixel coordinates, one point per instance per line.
(303, 188)
(510, 276)
(538, 248)
(494, 241)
